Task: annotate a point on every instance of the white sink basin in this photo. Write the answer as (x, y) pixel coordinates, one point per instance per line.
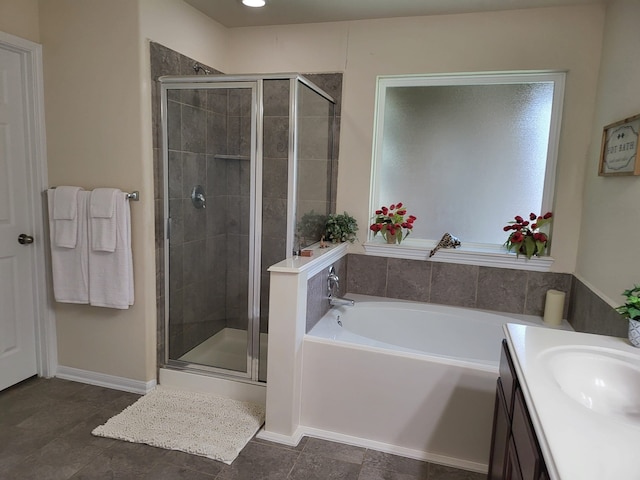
(603, 380)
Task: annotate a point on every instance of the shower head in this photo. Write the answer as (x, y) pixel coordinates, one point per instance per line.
(199, 68)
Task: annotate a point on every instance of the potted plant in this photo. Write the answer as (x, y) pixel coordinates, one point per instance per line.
(631, 311)
(391, 221)
(340, 227)
(526, 238)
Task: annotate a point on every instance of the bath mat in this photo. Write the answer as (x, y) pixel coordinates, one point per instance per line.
(198, 423)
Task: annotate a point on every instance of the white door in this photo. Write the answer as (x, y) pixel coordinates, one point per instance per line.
(17, 296)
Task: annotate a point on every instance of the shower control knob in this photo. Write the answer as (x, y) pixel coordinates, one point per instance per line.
(197, 197)
(24, 239)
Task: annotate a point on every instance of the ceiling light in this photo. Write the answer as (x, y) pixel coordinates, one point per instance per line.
(254, 3)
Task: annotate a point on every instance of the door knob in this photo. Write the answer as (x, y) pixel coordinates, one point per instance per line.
(25, 239)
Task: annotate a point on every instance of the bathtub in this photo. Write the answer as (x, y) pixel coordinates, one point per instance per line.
(407, 378)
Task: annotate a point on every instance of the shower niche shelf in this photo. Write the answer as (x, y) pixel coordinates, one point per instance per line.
(231, 157)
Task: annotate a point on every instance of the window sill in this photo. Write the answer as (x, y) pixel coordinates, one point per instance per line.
(470, 254)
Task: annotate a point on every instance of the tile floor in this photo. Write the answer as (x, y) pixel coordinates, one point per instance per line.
(45, 434)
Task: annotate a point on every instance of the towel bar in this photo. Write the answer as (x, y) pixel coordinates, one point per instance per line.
(135, 195)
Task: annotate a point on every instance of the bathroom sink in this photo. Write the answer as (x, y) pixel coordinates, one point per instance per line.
(604, 380)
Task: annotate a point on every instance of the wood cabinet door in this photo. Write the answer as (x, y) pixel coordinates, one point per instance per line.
(499, 437)
(512, 467)
(524, 439)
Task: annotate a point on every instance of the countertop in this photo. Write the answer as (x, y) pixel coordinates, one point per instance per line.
(577, 442)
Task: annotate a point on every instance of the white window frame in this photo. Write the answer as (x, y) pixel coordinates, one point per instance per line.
(468, 253)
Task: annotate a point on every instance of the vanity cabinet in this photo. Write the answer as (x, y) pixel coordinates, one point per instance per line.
(515, 452)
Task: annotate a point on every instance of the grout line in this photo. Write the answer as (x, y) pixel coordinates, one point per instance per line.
(526, 294)
(475, 300)
(430, 280)
(386, 277)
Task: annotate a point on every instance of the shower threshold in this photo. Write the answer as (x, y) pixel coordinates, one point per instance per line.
(226, 349)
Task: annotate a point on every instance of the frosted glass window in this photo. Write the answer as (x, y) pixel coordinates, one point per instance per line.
(466, 158)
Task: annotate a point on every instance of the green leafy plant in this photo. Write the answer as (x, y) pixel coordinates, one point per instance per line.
(526, 239)
(340, 227)
(390, 222)
(311, 226)
(631, 308)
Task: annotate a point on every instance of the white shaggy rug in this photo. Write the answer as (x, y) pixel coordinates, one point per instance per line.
(198, 423)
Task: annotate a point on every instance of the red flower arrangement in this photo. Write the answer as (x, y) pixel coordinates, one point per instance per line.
(391, 221)
(525, 237)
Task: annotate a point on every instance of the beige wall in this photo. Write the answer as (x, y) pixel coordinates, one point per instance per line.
(610, 234)
(98, 119)
(99, 123)
(93, 120)
(184, 29)
(554, 38)
(20, 18)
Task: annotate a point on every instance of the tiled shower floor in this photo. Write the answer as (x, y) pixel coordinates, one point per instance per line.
(45, 434)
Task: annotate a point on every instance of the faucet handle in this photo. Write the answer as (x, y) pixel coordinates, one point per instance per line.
(333, 282)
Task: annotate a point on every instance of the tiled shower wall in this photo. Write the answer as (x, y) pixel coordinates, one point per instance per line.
(203, 125)
(185, 168)
(470, 286)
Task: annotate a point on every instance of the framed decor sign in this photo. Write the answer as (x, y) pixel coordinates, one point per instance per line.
(619, 153)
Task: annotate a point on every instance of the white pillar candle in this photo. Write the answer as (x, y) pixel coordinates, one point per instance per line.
(554, 307)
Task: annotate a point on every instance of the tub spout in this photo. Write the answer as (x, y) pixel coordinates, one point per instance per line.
(335, 302)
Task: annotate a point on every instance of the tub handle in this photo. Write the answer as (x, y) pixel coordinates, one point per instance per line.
(333, 281)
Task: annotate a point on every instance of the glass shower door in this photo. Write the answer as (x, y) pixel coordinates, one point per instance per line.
(211, 158)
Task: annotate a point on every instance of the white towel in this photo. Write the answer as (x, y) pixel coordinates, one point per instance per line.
(70, 266)
(65, 209)
(102, 219)
(111, 273)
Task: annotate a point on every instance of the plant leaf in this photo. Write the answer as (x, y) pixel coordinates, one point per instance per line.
(529, 246)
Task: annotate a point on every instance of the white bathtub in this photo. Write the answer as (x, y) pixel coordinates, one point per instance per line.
(407, 378)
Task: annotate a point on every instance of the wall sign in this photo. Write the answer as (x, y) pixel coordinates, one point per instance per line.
(619, 153)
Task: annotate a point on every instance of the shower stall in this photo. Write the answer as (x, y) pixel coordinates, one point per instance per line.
(249, 177)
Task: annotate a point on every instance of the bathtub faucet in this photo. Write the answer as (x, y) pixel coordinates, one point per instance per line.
(333, 286)
(336, 302)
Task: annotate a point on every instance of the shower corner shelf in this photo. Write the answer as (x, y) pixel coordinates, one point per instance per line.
(232, 157)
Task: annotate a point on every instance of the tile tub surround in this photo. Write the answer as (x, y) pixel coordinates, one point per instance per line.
(487, 288)
(471, 286)
(317, 292)
(588, 313)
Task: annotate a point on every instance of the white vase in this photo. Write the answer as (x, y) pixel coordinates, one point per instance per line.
(634, 332)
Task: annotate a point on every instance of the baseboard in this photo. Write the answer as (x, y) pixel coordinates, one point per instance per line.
(104, 380)
(289, 440)
(302, 431)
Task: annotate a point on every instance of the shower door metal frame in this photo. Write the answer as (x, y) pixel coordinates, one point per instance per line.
(295, 83)
(255, 240)
(250, 373)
